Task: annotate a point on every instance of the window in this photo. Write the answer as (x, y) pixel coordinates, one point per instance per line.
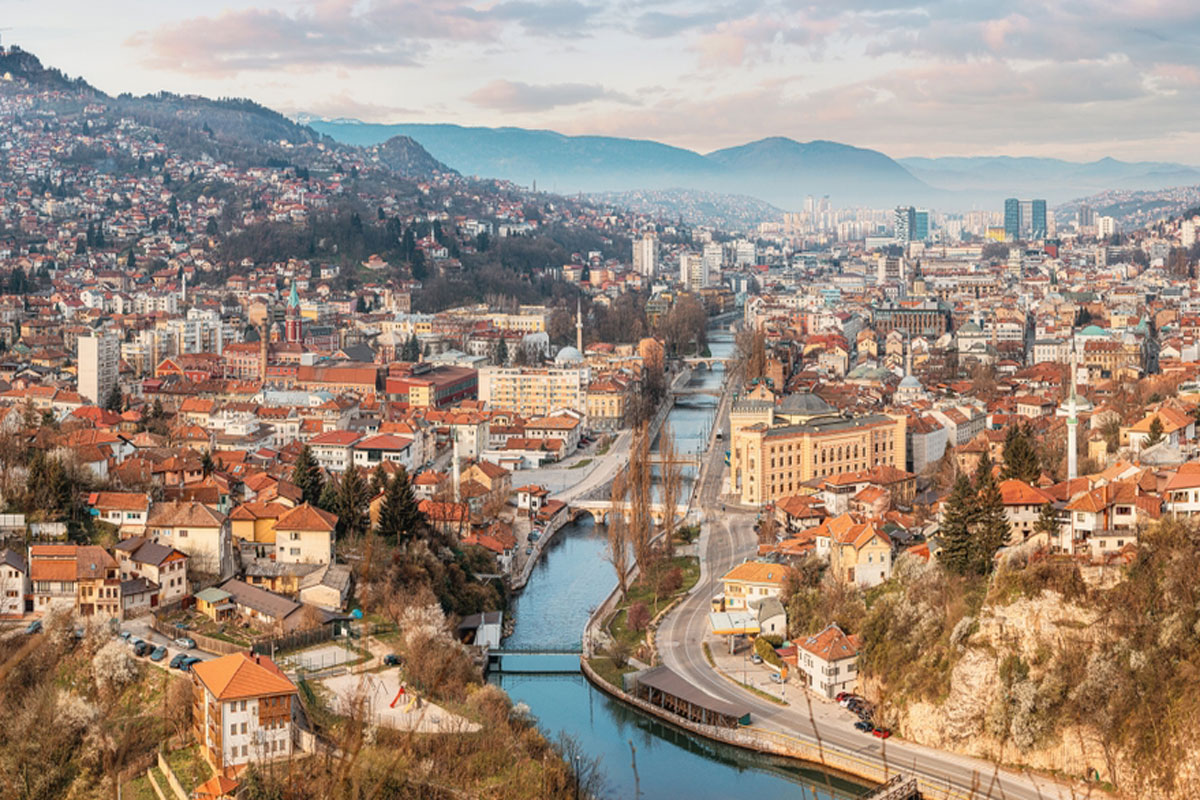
(183, 534)
(295, 551)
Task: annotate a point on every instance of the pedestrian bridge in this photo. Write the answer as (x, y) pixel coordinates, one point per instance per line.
(515, 661)
(601, 509)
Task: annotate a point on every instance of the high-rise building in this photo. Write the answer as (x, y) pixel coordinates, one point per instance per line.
(1105, 226)
(1012, 219)
(645, 254)
(1039, 229)
(714, 257)
(693, 269)
(1087, 216)
(98, 355)
(905, 223)
(1025, 219)
(920, 228)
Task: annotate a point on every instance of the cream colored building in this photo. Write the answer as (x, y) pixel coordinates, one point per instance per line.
(774, 448)
(536, 391)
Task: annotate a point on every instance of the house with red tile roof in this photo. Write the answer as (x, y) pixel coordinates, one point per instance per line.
(828, 661)
(304, 535)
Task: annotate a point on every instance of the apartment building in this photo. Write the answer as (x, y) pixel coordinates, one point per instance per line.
(243, 706)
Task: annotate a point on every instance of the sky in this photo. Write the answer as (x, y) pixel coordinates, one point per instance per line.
(1076, 79)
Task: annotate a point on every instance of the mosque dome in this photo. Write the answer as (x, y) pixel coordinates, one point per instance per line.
(568, 356)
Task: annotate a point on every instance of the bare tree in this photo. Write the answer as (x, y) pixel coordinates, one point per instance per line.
(641, 521)
(618, 541)
(672, 487)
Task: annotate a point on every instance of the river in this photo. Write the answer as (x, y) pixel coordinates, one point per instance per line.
(570, 580)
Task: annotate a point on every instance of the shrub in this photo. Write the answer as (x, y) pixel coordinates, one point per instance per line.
(638, 617)
(764, 649)
(672, 580)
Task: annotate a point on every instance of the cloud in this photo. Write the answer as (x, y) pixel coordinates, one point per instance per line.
(547, 19)
(514, 96)
(326, 34)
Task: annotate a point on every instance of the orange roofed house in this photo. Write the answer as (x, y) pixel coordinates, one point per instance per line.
(828, 661)
(243, 710)
(750, 581)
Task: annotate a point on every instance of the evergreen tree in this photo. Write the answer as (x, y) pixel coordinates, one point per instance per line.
(130, 260)
(1021, 460)
(400, 517)
(206, 464)
(114, 400)
(991, 529)
(353, 494)
(983, 472)
(412, 350)
(958, 517)
(1047, 522)
(1156, 432)
(328, 499)
(379, 481)
(501, 353)
(306, 474)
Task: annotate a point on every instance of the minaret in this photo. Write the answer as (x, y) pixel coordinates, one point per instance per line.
(454, 464)
(1071, 409)
(579, 324)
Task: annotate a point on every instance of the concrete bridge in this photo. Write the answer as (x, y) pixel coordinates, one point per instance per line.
(601, 509)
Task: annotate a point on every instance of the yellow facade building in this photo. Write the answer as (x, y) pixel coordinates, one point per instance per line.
(775, 448)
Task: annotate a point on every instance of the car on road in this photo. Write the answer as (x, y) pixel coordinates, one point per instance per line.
(864, 726)
(34, 627)
(141, 648)
(882, 733)
(186, 642)
(755, 658)
(159, 653)
(776, 677)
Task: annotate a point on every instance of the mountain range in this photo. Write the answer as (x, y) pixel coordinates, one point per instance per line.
(777, 170)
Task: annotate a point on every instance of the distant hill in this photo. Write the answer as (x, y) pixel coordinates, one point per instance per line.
(779, 171)
(1055, 179)
(730, 212)
(403, 155)
(25, 67)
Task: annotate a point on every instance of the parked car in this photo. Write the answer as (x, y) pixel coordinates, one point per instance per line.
(177, 661)
(134, 641)
(124, 636)
(141, 649)
(183, 626)
(159, 653)
(776, 677)
(842, 696)
(79, 632)
(865, 727)
(882, 733)
(755, 658)
(391, 660)
(34, 627)
(186, 642)
(186, 666)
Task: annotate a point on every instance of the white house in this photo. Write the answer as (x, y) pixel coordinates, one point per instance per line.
(14, 583)
(332, 449)
(828, 661)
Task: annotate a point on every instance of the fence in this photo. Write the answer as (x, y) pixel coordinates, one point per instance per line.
(205, 643)
(296, 640)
